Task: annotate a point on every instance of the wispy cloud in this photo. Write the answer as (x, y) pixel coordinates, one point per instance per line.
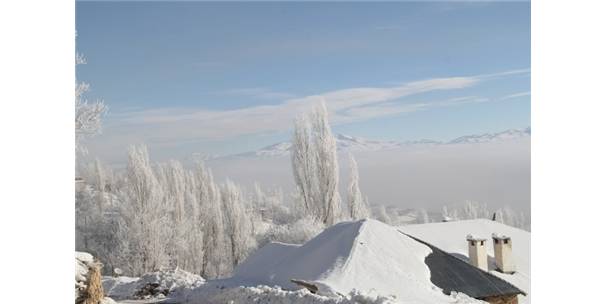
(279, 117)
(345, 106)
(515, 95)
(525, 72)
(257, 93)
(395, 108)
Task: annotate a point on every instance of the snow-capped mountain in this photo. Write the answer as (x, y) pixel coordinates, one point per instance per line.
(351, 143)
(278, 149)
(490, 137)
(345, 142)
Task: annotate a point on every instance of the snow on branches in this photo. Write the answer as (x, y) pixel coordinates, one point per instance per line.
(315, 166)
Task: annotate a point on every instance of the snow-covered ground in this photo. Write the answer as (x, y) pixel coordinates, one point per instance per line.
(450, 237)
(175, 283)
(364, 259)
(351, 262)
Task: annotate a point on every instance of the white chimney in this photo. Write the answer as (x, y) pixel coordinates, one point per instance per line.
(502, 253)
(477, 252)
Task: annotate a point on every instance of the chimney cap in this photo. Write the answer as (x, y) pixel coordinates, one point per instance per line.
(497, 236)
(474, 238)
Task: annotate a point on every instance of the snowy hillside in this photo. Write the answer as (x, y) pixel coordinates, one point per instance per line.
(450, 236)
(351, 143)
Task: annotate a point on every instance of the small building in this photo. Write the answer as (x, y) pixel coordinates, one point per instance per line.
(80, 184)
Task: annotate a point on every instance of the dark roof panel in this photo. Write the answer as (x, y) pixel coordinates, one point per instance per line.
(453, 274)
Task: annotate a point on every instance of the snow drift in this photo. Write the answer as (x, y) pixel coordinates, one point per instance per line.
(367, 256)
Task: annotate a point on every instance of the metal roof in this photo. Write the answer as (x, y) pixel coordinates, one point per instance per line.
(453, 274)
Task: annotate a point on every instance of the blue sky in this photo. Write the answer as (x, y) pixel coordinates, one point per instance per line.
(222, 78)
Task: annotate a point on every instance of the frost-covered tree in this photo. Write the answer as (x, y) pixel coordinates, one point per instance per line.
(172, 178)
(194, 238)
(382, 215)
(315, 166)
(303, 166)
(508, 216)
(358, 209)
(262, 204)
(208, 195)
(89, 114)
(475, 210)
(270, 207)
(100, 176)
(422, 216)
(296, 232)
(449, 214)
(96, 217)
(88, 216)
(175, 189)
(144, 224)
(238, 225)
(327, 165)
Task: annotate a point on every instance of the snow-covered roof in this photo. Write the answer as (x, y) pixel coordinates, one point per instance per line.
(366, 255)
(451, 237)
(453, 274)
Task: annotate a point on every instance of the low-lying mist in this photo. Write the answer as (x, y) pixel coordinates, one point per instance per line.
(418, 176)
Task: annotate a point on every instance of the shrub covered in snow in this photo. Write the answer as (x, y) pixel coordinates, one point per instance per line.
(152, 285)
(298, 232)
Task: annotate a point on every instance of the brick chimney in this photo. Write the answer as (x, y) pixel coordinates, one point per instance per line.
(502, 253)
(477, 252)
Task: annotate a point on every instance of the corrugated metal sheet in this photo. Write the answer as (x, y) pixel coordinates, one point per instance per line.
(453, 274)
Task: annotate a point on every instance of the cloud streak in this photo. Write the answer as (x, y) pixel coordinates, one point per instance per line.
(516, 95)
(337, 102)
(172, 126)
(257, 93)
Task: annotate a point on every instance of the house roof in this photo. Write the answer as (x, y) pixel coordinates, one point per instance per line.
(366, 255)
(450, 237)
(453, 274)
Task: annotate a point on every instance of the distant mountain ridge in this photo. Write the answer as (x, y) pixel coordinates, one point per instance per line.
(351, 143)
(490, 137)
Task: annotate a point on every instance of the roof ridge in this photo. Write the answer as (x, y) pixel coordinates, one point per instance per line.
(354, 246)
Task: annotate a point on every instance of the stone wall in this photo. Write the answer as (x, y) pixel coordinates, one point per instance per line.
(511, 299)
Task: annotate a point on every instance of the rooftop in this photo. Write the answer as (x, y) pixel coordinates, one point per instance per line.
(453, 274)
